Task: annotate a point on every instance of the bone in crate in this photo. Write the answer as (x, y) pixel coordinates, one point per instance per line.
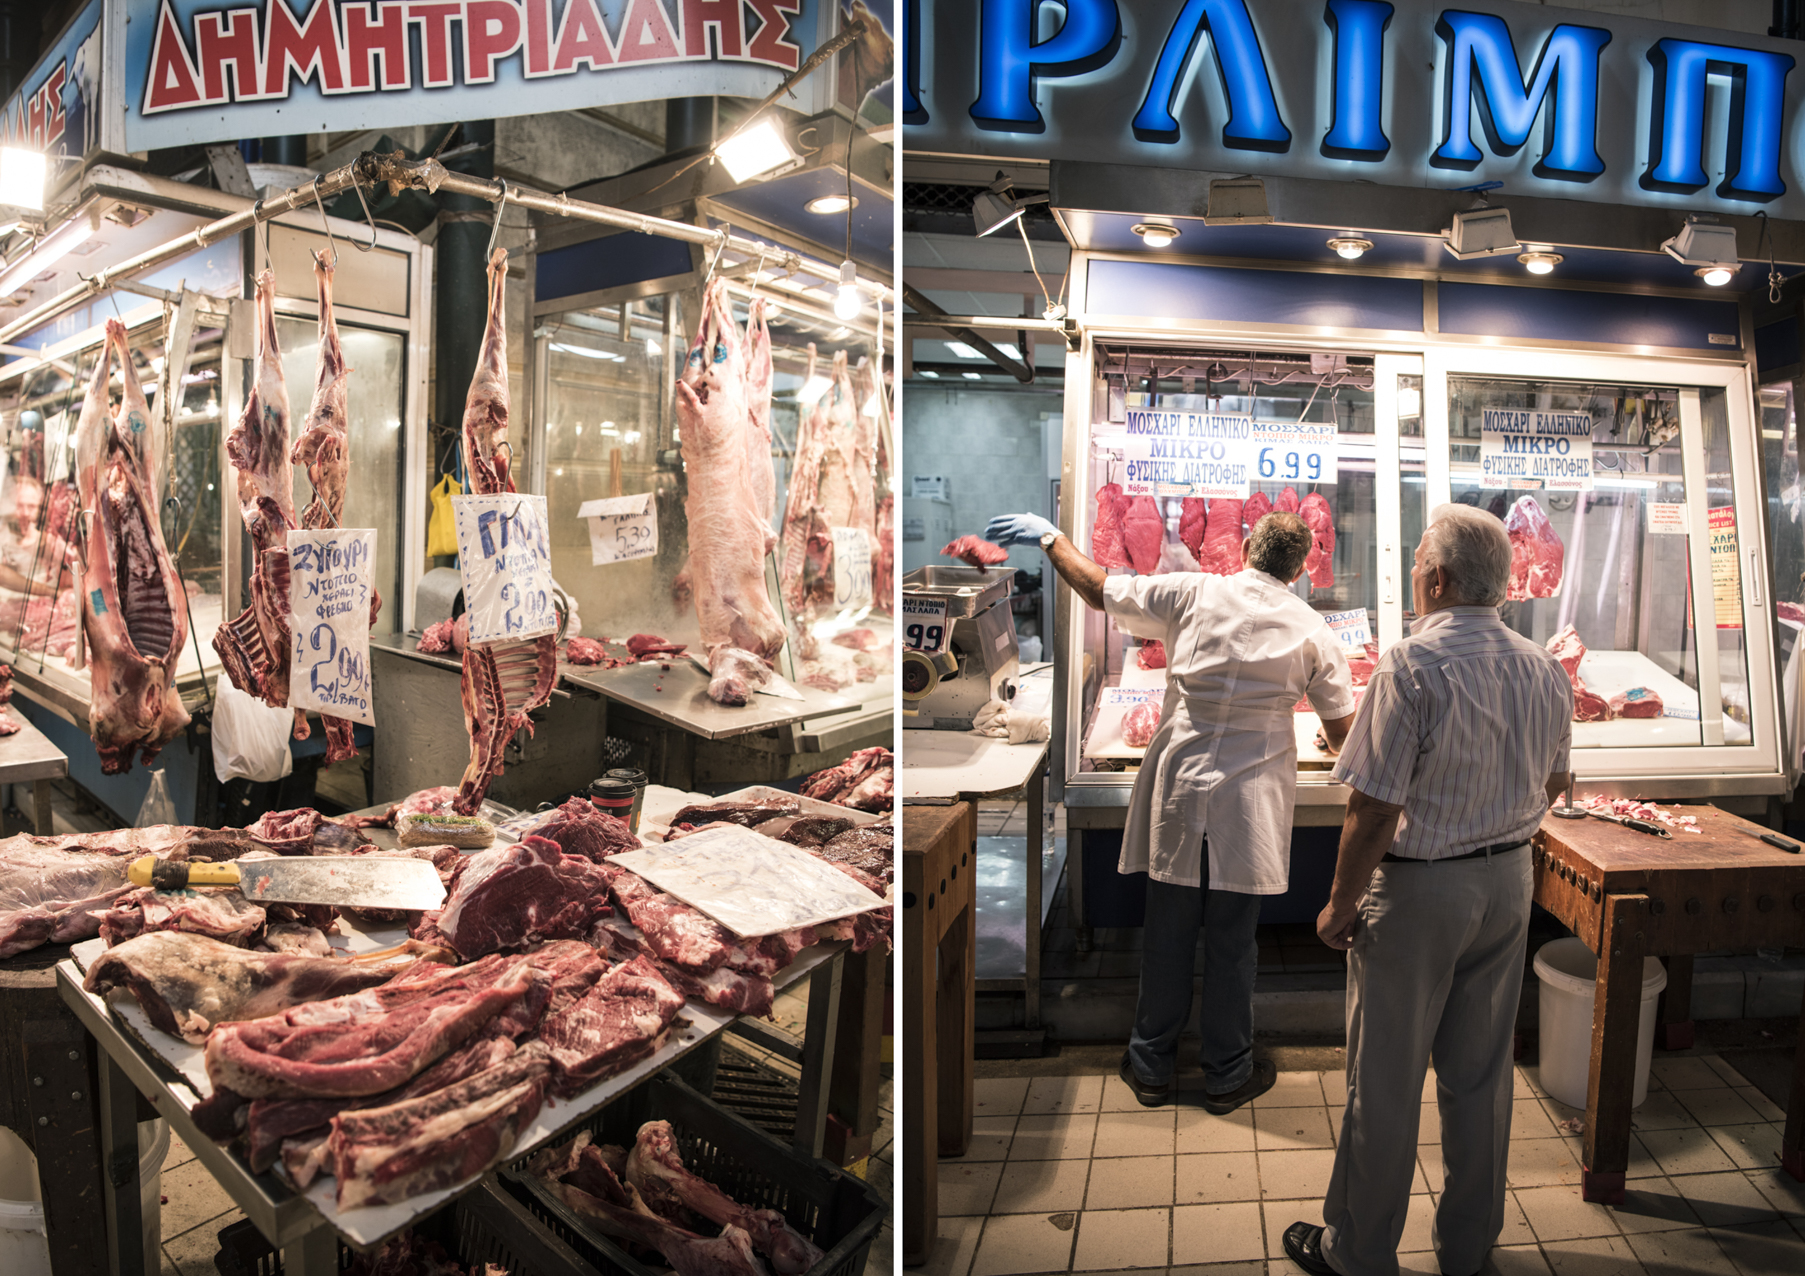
(502, 681)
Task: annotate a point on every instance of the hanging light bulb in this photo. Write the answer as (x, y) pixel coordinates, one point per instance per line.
(848, 302)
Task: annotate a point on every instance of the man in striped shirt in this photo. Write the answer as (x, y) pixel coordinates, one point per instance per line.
(1455, 754)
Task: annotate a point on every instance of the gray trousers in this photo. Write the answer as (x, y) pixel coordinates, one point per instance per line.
(1436, 971)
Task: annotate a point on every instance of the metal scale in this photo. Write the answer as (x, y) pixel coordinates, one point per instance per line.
(976, 661)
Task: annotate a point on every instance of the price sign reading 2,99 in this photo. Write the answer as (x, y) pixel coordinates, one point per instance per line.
(504, 557)
(330, 575)
(924, 624)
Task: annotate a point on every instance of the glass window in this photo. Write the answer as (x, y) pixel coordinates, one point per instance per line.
(1413, 491)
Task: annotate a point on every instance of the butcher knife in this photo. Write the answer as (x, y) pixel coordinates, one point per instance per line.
(353, 881)
(1633, 824)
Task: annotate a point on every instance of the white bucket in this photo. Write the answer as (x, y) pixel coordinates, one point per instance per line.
(1568, 973)
(24, 1247)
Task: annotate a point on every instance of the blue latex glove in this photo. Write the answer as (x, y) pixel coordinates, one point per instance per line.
(1017, 529)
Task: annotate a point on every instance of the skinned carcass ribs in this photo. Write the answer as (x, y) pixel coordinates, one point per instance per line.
(133, 607)
(760, 470)
(254, 647)
(727, 530)
(503, 682)
(324, 448)
(833, 484)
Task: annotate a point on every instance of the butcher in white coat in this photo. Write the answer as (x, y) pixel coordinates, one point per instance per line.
(1209, 819)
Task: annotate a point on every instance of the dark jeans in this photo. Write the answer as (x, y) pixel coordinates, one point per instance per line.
(1231, 958)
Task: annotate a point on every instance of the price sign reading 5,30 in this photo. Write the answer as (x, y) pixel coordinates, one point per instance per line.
(924, 624)
(505, 560)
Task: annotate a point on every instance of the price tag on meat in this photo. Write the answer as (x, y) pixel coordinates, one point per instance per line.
(329, 582)
(1187, 454)
(621, 528)
(1350, 627)
(506, 563)
(852, 568)
(924, 624)
(1294, 452)
(1520, 448)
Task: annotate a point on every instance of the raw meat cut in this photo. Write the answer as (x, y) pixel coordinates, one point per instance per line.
(303, 831)
(1361, 664)
(1287, 501)
(218, 912)
(866, 781)
(324, 448)
(734, 674)
(1637, 702)
(446, 635)
(1320, 561)
(730, 989)
(1536, 553)
(833, 484)
(188, 984)
(690, 938)
(133, 607)
(883, 556)
(1258, 506)
(1139, 724)
(1791, 612)
(806, 830)
(511, 896)
(1151, 654)
(976, 551)
(620, 1021)
(502, 682)
(579, 828)
(652, 647)
(1193, 518)
(291, 937)
(656, 1170)
(437, 801)
(587, 651)
(1222, 539)
(366, 1042)
(387, 1154)
(760, 468)
(7, 725)
(870, 848)
(52, 893)
(1588, 706)
(860, 639)
(1107, 549)
(580, 1176)
(254, 647)
(1143, 533)
(727, 535)
(744, 814)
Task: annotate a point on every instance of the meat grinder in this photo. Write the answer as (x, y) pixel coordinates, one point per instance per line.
(977, 660)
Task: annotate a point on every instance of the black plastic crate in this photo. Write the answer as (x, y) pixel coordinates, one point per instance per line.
(842, 1215)
(756, 1092)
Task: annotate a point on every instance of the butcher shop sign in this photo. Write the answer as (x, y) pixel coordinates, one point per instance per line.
(506, 562)
(1211, 455)
(329, 582)
(1533, 449)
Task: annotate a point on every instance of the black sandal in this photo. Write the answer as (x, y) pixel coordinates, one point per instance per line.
(1303, 1246)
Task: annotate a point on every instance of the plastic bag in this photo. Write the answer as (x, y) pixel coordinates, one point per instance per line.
(250, 739)
(442, 528)
(158, 807)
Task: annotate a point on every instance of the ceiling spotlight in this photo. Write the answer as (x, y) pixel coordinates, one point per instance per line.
(1716, 276)
(1480, 232)
(22, 175)
(1351, 247)
(997, 206)
(1539, 262)
(1155, 235)
(1707, 247)
(752, 151)
(831, 204)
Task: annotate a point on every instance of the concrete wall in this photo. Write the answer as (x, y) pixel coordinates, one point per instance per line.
(989, 445)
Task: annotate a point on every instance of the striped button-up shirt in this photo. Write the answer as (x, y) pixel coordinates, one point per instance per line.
(1462, 725)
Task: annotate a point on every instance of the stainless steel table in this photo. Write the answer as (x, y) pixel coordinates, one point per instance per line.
(679, 696)
(28, 757)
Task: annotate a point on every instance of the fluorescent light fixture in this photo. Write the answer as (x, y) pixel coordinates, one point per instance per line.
(587, 353)
(1539, 261)
(1237, 201)
(1008, 348)
(1480, 232)
(1351, 247)
(813, 388)
(755, 150)
(848, 301)
(828, 204)
(1708, 247)
(1156, 234)
(923, 372)
(47, 252)
(971, 376)
(962, 351)
(22, 175)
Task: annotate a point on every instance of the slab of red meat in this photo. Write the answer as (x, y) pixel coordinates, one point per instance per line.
(587, 651)
(1790, 611)
(445, 635)
(218, 912)
(1151, 654)
(1192, 519)
(865, 781)
(883, 556)
(50, 893)
(367, 1042)
(580, 829)
(869, 848)
(860, 639)
(1569, 649)
(805, 830)
(656, 1169)
(976, 551)
(134, 610)
(832, 484)
(620, 1021)
(511, 896)
(1536, 552)
(744, 814)
(1143, 533)
(1320, 561)
(1139, 724)
(435, 801)
(730, 989)
(646, 646)
(1222, 539)
(187, 984)
(1287, 501)
(1637, 702)
(1258, 506)
(1589, 706)
(1107, 549)
(689, 937)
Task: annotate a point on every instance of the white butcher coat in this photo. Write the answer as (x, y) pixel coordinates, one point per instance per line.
(1241, 651)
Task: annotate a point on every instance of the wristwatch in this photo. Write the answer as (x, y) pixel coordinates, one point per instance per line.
(1047, 538)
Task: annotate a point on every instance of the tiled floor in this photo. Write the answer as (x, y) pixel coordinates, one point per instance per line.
(1071, 1174)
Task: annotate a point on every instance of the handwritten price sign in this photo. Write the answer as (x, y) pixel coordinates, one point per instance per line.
(925, 626)
(621, 528)
(329, 582)
(506, 561)
(852, 567)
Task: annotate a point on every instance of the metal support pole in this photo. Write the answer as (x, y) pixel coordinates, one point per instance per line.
(315, 1254)
(119, 1172)
(818, 1056)
(1037, 834)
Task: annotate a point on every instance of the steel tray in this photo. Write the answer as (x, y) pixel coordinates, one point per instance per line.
(967, 590)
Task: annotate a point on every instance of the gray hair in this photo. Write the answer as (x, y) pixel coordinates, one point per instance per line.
(1472, 547)
(1278, 545)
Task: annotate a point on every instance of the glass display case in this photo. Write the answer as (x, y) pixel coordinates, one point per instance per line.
(1629, 488)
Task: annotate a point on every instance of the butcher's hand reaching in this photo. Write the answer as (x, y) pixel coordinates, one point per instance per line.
(1084, 576)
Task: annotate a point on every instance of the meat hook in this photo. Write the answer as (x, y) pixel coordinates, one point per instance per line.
(188, 602)
(368, 216)
(258, 219)
(501, 204)
(330, 241)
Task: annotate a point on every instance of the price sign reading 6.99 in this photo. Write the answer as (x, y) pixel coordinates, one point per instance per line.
(924, 624)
